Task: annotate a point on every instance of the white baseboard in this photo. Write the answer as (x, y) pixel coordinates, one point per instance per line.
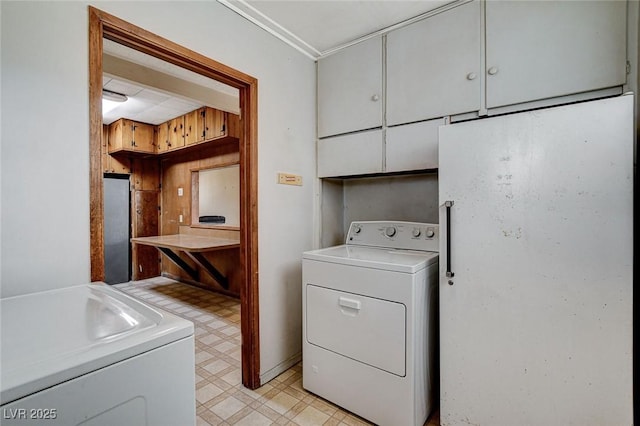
(280, 368)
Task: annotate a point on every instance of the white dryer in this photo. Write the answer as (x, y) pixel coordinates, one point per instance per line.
(369, 321)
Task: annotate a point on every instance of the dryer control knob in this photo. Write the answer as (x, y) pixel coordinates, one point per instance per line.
(390, 231)
(416, 232)
(430, 233)
(356, 229)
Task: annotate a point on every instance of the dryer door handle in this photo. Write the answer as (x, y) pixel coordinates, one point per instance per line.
(349, 303)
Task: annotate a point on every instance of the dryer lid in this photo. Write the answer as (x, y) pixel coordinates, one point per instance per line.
(407, 261)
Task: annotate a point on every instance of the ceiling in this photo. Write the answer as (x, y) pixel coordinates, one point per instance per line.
(319, 27)
(158, 91)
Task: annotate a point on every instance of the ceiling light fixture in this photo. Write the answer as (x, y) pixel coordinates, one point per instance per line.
(113, 96)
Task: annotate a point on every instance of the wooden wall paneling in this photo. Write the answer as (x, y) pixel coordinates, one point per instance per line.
(145, 224)
(146, 174)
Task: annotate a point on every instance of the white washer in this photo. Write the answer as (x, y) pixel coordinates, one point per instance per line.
(369, 321)
(92, 355)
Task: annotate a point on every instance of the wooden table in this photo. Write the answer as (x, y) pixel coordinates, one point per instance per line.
(193, 246)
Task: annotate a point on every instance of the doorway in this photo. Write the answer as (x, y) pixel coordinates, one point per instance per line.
(105, 26)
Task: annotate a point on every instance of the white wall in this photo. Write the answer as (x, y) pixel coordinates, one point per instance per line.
(45, 147)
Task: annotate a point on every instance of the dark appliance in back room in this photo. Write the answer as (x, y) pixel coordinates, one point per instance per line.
(117, 252)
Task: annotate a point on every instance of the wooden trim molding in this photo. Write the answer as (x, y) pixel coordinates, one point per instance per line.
(103, 25)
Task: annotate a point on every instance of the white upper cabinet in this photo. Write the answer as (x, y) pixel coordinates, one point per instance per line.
(433, 66)
(542, 49)
(350, 89)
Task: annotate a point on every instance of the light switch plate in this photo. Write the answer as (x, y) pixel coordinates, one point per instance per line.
(289, 179)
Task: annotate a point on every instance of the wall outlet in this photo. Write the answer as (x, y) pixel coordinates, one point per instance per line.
(289, 179)
(180, 192)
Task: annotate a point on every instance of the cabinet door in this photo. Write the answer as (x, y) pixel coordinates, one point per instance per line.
(350, 89)
(143, 137)
(162, 137)
(214, 123)
(544, 49)
(348, 155)
(413, 146)
(120, 135)
(176, 133)
(433, 66)
(191, 126)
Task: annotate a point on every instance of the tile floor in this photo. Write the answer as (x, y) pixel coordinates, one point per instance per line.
(220, 397)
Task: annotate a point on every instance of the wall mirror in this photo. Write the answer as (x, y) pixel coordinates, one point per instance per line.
(216, 197)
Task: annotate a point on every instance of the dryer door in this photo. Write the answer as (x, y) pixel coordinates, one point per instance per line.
(365, 329)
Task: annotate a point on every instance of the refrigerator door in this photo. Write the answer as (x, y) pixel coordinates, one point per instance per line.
(536, 322)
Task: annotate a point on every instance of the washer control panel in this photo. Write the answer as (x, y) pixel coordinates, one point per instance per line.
(397, 235)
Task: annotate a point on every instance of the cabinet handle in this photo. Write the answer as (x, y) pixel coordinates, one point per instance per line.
(493, 71)
(449, 273)
(375, 98)
(471, 76)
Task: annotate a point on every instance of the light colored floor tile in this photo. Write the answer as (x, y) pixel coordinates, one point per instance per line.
(209, 339)
(282, 402)
(234, 377)
(228, 407)
(216, 366)
(310, 417)
(207, 393)
(254, 419)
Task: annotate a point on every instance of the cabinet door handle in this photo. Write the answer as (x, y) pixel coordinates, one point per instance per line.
(375, 98)
(471, 76)
(493, 70)
(349, 303)
(449, 273)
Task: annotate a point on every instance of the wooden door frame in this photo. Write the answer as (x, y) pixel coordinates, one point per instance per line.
(103, 25)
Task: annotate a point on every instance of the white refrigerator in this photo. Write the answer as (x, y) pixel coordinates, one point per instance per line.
(536, 267)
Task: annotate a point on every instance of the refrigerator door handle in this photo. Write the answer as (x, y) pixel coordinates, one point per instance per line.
(449, 273)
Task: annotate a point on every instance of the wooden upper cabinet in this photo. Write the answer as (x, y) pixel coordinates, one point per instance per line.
(192, 127)
(176, 133)
(112, 164)
(162, 137)
(131, 136)
(214, 123)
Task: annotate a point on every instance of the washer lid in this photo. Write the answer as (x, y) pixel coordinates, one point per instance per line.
(53, 336)
(407, 261)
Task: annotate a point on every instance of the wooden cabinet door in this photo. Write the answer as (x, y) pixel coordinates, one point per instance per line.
(543, 49)
(350, 89)
(214, 123)
(143, 137)
(145, 224)
(191, 127)
(176, 133)
(433, 66)
(162, 137)
(120, 135)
